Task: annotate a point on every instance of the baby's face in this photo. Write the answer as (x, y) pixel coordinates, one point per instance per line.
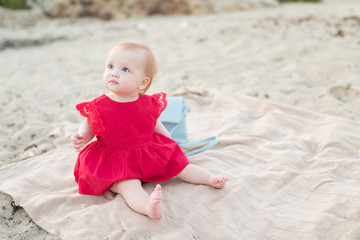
(124, 74)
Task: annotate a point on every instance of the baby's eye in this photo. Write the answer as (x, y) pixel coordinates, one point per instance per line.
(125, 69)
(110, 66)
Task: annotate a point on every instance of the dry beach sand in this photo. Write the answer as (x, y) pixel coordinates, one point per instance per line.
(305, 55)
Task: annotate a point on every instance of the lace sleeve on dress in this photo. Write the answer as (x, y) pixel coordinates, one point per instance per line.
(160, 99)
(89, 110)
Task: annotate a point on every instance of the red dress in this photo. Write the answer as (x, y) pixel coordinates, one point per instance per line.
(127, 146)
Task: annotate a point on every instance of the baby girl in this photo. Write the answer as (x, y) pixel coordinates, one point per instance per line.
(132, 146)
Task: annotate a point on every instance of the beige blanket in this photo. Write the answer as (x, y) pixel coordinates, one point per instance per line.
(294, 174)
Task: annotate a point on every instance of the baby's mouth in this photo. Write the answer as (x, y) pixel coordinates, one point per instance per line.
(113, 81)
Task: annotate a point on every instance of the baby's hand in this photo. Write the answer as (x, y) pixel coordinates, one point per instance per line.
(78, 141)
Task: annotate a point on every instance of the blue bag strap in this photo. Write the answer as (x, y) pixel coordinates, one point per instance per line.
(212, 142)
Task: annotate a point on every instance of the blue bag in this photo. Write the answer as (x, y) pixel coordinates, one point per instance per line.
(174, 120)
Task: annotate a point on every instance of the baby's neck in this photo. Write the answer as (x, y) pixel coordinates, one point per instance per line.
(118, 98)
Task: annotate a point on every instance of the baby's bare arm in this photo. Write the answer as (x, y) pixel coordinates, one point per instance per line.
(86, 131)
(83, 136)
(160, 128)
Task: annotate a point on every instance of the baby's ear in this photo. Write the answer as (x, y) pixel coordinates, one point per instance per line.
(144, 83)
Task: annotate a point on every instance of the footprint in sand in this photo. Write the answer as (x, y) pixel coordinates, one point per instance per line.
(340, 92)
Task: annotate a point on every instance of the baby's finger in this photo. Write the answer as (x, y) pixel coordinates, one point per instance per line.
(79, 142)
(78, 147)
(77, 138)
(74, 137)
(75, 141)
(80, 136)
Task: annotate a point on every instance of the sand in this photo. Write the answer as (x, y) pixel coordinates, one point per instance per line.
(304, 55)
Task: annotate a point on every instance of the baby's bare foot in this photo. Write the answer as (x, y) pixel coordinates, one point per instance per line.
(217, 181)
(153, 207)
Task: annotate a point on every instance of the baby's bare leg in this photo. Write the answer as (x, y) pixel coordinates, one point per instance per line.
(138, 199)
(198, 175)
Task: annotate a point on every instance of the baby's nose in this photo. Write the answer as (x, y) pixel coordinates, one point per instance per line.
(115, 73)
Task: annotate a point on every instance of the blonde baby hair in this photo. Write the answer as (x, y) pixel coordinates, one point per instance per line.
(150, 61)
